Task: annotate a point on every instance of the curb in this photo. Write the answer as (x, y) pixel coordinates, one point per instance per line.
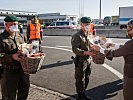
(53, 92)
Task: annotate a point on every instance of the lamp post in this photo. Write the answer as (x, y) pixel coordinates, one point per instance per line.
(100, 11)
(81, 8)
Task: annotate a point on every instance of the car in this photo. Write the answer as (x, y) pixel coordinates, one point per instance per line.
(62, 25)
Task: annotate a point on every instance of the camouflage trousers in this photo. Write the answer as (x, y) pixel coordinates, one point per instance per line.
(14, 82)
(82, 73)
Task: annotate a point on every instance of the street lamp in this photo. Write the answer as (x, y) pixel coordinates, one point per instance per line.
(100, 11)
(81, 8)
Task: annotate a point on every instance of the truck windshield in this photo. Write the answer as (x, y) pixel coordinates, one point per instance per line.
(62, 23)
(52, 24)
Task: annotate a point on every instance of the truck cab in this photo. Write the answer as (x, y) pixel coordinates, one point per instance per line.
(106, 20)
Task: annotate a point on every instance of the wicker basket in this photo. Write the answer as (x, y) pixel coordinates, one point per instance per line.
(99, 58)
(31, 65)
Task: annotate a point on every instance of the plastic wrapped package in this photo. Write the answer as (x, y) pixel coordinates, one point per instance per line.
(99, 58)
(105, 43)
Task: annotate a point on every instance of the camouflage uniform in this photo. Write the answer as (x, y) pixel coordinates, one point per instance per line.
(13, 80)
(82, 64)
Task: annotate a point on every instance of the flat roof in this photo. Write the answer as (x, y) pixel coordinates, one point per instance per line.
(17, 11)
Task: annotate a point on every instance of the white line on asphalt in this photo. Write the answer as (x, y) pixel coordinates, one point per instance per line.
(63, 46)
(45, 36)
(57, 48)
(118, 74)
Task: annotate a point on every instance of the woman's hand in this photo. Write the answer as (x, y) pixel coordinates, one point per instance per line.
(108, 45)
(96, 48)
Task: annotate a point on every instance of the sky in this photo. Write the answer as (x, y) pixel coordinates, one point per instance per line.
(88, 8)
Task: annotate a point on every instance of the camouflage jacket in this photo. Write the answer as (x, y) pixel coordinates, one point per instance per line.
(9, 46)
(79, 43)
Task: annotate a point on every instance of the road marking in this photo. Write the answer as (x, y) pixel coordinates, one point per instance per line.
(57, 48)
(63, 46)
(45, 36)
(118, 74)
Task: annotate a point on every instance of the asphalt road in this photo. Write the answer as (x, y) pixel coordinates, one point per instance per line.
(57, 72)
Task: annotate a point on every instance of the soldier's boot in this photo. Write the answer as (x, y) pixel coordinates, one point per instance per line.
(87, 97)
(81, 97)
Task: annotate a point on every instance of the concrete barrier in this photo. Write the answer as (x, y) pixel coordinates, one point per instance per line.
(60, 32)
(100, 32)
(116, 33)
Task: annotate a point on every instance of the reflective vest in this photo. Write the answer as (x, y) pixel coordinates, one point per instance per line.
(35, 31)
(91, 30)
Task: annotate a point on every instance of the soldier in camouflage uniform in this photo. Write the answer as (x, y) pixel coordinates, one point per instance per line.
(82, 62)
(13, 80)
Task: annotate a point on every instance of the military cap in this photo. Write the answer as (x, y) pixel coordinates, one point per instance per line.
(85, 20)
(11, 18)
(34, 17)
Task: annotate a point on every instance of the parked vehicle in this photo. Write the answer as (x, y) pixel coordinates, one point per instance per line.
(106, 20)
(62, 25)
(115, 20)
(125, 14)
(97, 21)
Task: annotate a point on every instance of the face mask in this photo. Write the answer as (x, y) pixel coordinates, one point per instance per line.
(87, 28)
(14, 28)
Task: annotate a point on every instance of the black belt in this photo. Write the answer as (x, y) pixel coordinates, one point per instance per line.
(83, 57)
(11, 65)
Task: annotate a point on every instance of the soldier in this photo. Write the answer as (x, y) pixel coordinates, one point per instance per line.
(13, 80)
(82, 62)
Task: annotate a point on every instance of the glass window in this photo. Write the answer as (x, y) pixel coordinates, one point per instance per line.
(62, 23)
(52, 24)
